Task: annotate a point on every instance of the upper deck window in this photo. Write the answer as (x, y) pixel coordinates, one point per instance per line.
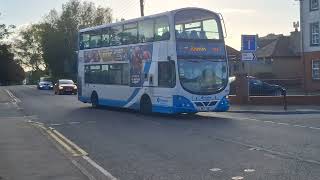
(130, 33)
(162, 29)
(146, 31)
(115, 35)
(84, 41)
(197, 25)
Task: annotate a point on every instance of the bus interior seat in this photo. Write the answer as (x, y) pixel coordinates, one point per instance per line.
(184, 35)
(166, 35)
(178, 34)
(203, 35)
(194, 35)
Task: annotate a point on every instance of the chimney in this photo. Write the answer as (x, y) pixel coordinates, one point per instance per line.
(295, 41)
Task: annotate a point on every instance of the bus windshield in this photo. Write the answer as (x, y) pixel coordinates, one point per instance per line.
(197, 24)
(200, 76)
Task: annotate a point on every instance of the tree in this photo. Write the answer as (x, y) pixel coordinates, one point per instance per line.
(59, 34)
(10, 71)
(28, 48)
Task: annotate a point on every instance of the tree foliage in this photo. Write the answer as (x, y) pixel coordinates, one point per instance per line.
(10, 71)
(28, 48)
(53, 44)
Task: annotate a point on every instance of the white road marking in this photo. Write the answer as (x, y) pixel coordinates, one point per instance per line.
(249, 170)
(270, 122)
(98, 167)
(74, 122)
(215, 169)
(14, 98)
(237, 178)
(254, 149)
(273, 152)
(301, 126)
(286, 124)
(316, 128)
(55, 124)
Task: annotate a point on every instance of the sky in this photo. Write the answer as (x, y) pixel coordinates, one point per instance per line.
(241, 16)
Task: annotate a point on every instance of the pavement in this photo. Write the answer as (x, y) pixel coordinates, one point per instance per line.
(25, 152)
(206, 146)
(292, 109)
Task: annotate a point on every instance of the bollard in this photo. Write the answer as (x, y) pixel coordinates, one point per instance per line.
(285, 103)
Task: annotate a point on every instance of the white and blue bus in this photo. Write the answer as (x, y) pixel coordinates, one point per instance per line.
(173, 62)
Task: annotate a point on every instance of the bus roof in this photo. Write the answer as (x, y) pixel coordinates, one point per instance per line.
(140, 18)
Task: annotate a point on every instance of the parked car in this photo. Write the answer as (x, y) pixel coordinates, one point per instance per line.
(260, 88)
(45, 83)
(65, 86)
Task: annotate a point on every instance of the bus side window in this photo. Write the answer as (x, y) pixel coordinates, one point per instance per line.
(125, 74)
(146, 31)
(95, 39)
(166, 74)
(105, 41)
(130, 33)
(115, 35)
(162, 31)
(84, 41)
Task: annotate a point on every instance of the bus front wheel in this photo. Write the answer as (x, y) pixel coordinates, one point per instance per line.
(94, 100)
(145, 105)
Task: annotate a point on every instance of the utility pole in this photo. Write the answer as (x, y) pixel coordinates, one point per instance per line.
(142, 7)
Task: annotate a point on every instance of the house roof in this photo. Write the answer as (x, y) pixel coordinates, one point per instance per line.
(280, 47)
(233, 54)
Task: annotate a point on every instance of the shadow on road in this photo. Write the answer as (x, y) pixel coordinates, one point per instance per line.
(123, 113)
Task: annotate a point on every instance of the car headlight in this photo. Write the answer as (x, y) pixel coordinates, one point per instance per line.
(75, 87)
(41, 86)
(60, 87)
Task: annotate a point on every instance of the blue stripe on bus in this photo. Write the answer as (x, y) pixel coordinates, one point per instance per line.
(134, 94)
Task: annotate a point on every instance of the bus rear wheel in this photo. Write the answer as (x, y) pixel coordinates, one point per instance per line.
(145, 105)
(94, 100)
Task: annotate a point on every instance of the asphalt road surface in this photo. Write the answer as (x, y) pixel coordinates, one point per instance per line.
(205, 146)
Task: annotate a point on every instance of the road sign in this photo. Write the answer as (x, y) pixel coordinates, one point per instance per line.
(249, 43)
(248, 56)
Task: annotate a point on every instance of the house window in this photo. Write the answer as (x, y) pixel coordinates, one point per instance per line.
(314, 27)
(314, 5)
(316, 69)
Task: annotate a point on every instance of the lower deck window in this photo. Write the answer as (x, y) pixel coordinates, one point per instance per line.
(117, 74)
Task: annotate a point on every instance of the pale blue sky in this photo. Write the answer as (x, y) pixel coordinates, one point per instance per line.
(241, 16)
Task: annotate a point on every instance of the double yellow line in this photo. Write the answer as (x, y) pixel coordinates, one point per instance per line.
(61, 139)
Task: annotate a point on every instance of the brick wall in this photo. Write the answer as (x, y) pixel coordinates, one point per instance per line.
(311, 85)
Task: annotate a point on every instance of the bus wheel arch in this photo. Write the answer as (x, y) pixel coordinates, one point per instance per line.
(94, 99)
(145, 104)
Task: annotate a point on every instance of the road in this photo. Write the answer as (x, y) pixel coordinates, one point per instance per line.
(132, 146)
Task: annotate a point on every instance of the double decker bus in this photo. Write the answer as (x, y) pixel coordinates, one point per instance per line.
(173, 62)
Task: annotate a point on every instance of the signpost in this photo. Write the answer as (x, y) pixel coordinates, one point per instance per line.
(249, 47)
(248, 56)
